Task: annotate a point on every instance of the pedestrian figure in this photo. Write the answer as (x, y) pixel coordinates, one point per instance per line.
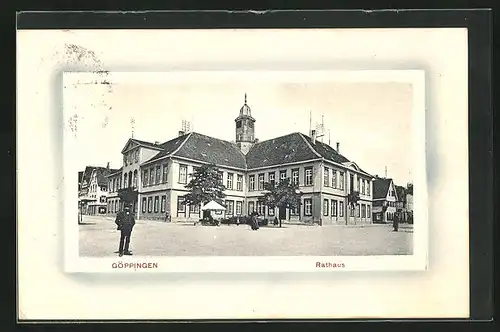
(125, 221)
(275, 222)
(255, 222)
(395, 224)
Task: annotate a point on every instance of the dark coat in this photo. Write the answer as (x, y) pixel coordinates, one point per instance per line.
(125, 221)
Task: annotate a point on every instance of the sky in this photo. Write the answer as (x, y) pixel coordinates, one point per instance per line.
(371, 121)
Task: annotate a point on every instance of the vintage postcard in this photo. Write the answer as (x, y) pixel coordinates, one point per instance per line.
(233, 171)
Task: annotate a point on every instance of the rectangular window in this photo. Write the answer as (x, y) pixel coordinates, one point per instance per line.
(368, 188)
(270, 212)
(181, 208)
(157, 202)
(341, 180)
(325, 207)
(239, 208)
(221, 177)
(150, 204)
(230, 181)
(326, 177)
(145, 178)
(368, 212)
(334, 178)
(251, 186)
(194, 209)
(144, 204)
(116, 206)
(341, 209)
(363, 187)
(260, 208)
(295, 176)
(334, 208)
(359, 184)
(308, 181)
(163, 203)
(363, 211)
(229, 208)
(307, 207)
(351, 211)
(165, 173)
(261, 181)
(358, 210)
(158, 174)
(183, 174)
(151, 176)
(271, 178)
(251, 207)
(239, 182)
(282, 176)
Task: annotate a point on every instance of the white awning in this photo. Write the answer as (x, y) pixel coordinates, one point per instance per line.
(213, 206)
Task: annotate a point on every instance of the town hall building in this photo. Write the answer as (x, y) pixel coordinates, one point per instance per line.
(158, 172)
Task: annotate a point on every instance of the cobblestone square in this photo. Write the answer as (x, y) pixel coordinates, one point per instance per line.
(99, 238)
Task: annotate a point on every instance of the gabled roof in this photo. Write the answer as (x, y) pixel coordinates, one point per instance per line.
(169, 147)
(141, 143)
(280, 150)
(381, 187)
(326, 151)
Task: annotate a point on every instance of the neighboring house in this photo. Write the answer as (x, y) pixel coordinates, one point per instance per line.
(159, 173)
(401, 212)
(93, 189)
(385, 200)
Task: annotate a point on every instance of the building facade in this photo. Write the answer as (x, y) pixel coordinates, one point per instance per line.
(385, 200)
(159, 173)
(93, 190)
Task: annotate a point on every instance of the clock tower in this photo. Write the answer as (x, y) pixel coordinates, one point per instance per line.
(245, 128)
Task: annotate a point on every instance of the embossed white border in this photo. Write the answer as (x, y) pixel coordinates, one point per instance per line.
(45, 291)
(416, 261)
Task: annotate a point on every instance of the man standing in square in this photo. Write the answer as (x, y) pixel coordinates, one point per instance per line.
(125, 221)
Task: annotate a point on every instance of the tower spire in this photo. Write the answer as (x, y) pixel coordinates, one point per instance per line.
(245, 98)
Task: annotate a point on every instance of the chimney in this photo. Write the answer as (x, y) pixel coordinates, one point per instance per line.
(107, 166)
(181, 132)
(313, 136)
(157, 142)
(256, 140)
(338, 147)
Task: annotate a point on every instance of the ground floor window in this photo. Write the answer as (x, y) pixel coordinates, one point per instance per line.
(351, 211)
(144, 204)
(308, 207)
(358, 210)
(194, 209)
(325, 207)
(251, 207)
(150, 204)
(181, 208)
(368, 212)
(363, 211)
(334, 208)
(157, 202)
(229, 208)
(294, 211)
(163, 203)
(270, 212)
(239, 208)
(260, 208)
(341, 209)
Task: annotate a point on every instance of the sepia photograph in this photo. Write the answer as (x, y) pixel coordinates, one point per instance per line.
(242, 165)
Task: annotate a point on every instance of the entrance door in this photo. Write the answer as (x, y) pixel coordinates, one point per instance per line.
(282, 213)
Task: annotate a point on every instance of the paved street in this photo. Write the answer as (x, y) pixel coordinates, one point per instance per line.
(99, 238)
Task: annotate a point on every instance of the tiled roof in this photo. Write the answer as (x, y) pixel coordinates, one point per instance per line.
(152, 145)
(279, 150)
(211, 150)
(401, 192)
(290, 148)
(381, 187)
(326, 151)
(169, 147)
